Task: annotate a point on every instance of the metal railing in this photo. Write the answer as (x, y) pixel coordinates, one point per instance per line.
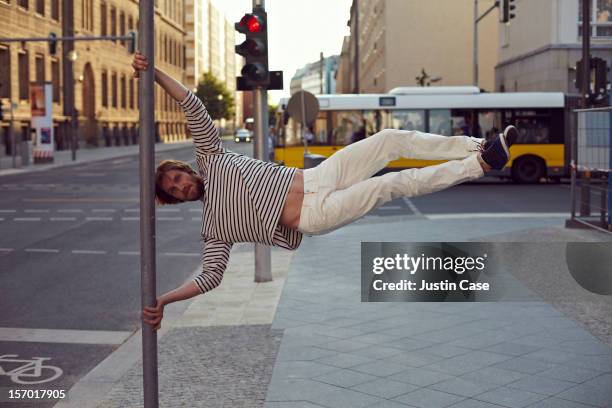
(591, 169)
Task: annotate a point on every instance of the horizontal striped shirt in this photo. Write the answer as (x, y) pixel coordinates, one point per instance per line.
(243, 197)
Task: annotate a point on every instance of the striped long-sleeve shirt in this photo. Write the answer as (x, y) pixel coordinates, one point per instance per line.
(243, 197)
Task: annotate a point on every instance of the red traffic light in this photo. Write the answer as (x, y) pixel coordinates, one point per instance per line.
(252, 23)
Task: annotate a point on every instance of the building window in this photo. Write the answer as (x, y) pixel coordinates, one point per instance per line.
(24, 75)
(123, 92)
(104, 89)
(40, 69)
(122, 26)
(601, 18)
(114, 90)
(5, 73)
(131, 93)
(103, 24)
(55, 80)
(130, 23)
(113, 21)
(55, 11)
(40, 7)
(87, 14)
(23, 3)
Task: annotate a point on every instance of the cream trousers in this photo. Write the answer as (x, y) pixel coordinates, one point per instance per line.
(341, 189)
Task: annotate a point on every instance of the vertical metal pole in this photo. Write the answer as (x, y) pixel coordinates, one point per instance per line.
(610, 167)
(12, 135)
(321, 71)
(263, 268)
(68, 70)
(356, 3)
(147, 195)
(586, 53)
(73, 125)
(475, 47)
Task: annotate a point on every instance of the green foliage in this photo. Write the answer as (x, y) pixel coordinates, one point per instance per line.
(216, 97)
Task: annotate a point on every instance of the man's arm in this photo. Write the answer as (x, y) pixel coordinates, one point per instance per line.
(205, 133)
(215, 259)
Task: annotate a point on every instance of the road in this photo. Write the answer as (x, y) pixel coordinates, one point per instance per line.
(70, 265)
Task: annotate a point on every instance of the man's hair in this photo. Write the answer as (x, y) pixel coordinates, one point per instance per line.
(161, 197)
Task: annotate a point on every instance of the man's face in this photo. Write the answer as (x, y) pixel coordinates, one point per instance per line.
(182, 185)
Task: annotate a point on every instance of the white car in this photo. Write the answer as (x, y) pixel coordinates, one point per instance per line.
(243, 135)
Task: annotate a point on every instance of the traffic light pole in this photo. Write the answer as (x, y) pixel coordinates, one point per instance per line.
(263, 264)
(147, 202)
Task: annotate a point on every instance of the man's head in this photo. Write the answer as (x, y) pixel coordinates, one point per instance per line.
(176, 182)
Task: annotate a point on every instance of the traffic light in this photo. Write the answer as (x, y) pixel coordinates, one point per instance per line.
(52, 43)
(507, 8)
(133, 42)
(255, 48)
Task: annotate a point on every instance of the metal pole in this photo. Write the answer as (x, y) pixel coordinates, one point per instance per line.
(74, 133)
(475, 47)
(356, 3)
(263, 268)
(12, 133)
(586, 53)
(147, 195)
(68, 69)
(321, 70)
(610, 168)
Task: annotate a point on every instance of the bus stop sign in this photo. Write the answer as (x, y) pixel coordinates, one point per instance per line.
(303, 107)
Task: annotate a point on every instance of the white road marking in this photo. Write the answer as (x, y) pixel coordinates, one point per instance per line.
(459, 216)
(70, 211)
(103, 210)
(52, 251)
(63, 219)
(98, 218)
(169, 210)
(36, 211)
(1, 219)
(411, 205)
(64, 336)
(130, 218)
(132, 210)
(390, 207)
(6, 249)
(8, 211)
(196, 218)
(170, 218)
(86, 251)
(27, 219)
(181, 254)
(129, 253)
(195, 210)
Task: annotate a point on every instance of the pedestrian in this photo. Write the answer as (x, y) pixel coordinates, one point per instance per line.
(248, 200)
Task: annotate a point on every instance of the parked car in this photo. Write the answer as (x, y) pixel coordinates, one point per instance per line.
(243, 135)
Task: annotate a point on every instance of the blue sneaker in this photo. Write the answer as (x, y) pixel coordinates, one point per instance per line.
(497, 151)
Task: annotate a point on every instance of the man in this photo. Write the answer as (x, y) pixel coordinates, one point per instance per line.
(248, 200)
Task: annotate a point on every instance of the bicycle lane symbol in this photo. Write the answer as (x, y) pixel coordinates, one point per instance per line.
(30, 371)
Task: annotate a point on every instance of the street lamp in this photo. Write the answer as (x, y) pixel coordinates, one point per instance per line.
(72, 55)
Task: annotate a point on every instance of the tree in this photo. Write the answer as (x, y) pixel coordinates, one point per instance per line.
(272, 113)
(216, 97)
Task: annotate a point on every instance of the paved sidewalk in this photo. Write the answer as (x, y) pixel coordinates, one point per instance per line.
(64, 157)
(321, 347)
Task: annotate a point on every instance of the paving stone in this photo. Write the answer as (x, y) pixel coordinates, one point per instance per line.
(300, 369)
(558, 403)
(425, 398)
(345, 398)
(525, 365)
(379, 368)
(541, 385)
(573, 374)
(344, 360)
(389, 404)
(472, 403)
(414, 358)
(587, 394)
(292, 404)
(512, 349)
(345, 378)
(385, 388)
(420, 376)
(508, 397)
(463, 387)
(493, 375)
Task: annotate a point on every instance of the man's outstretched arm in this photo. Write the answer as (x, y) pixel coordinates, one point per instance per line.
(216, 257)
(205, 133)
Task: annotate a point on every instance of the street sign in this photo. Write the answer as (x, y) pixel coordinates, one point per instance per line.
(303, 107)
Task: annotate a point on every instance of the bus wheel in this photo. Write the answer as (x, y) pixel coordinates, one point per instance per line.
(528, 170)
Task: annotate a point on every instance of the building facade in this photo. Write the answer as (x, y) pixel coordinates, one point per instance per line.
(539, 49)
(105, 92)
(395, 40)
(317, 77)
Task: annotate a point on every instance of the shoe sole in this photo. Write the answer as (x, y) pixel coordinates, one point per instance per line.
(502, 137)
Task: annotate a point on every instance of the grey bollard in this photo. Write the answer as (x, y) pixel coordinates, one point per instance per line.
(312, 160)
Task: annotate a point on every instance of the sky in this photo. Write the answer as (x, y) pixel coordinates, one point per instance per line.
(298, 30)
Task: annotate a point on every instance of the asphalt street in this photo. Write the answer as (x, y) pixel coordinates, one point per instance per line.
(70, 265)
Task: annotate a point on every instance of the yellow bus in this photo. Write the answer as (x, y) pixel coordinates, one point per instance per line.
(542, 149)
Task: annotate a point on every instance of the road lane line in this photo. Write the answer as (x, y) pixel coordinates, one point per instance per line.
(132, 210)
(411, 205)
(36, 211)
(460, 216)
(98, 218)
(63, 219)
(130, 218)
(103, 210)
(51, 251)
(181, 254)
(6, 249)
(27, 219)
(129, 253)
(8, 211)
(70, 211)
(390, 207)
(87, 251)
(63, 336)
(170, 218)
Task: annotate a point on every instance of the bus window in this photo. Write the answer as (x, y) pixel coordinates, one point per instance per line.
(373, 122)
(489, 123)
(453, 122)
(348, 127)
(533, 125)
(408, 119)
